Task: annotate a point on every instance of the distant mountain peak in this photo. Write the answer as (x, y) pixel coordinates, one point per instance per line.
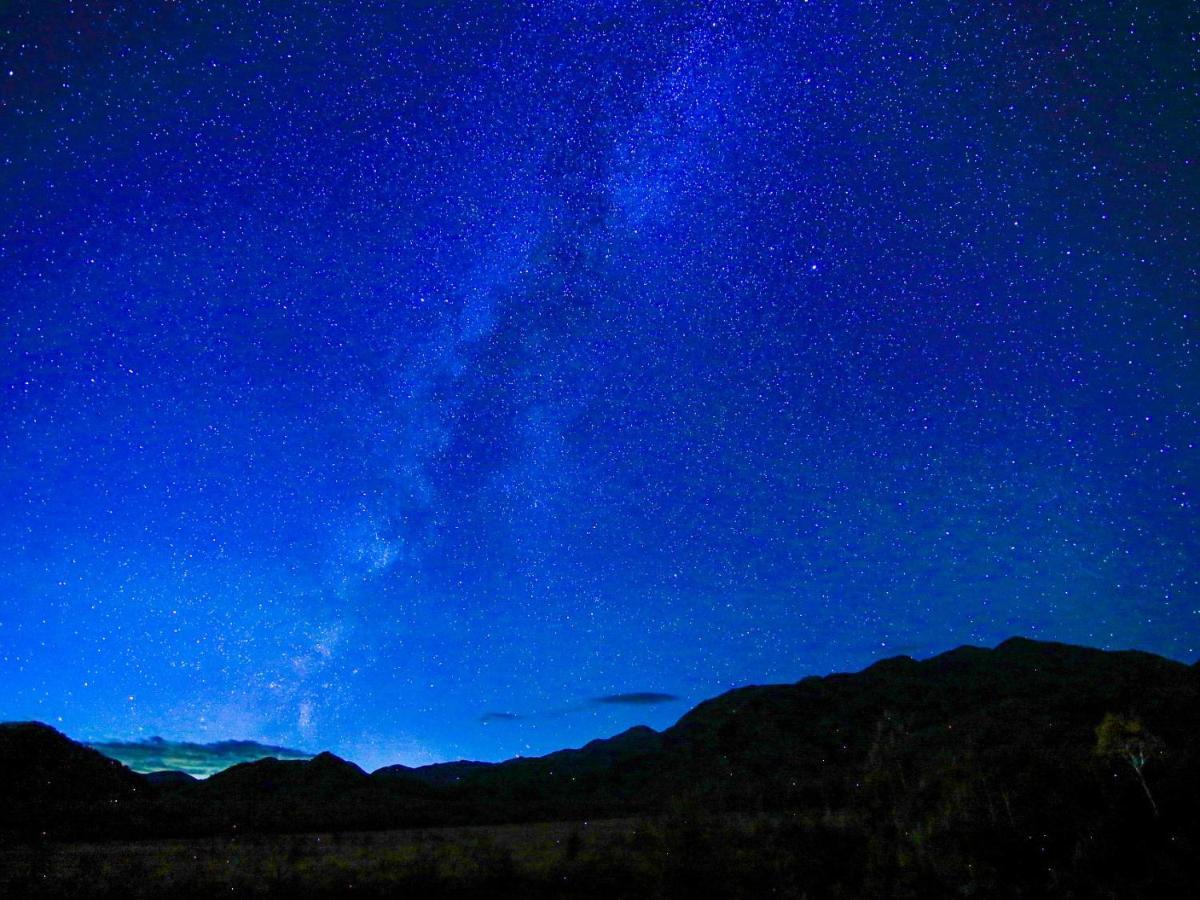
(332, 762)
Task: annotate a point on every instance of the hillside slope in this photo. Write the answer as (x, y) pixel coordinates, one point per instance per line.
(1011, 728)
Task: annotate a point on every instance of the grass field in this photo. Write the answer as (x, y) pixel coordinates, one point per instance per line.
(616, 857)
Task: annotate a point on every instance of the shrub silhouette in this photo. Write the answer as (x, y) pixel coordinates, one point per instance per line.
(1125, 738)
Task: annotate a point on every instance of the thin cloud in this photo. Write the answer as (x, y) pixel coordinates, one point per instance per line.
(500, 717)
(632, 698)
(201, 760)
(635, 698)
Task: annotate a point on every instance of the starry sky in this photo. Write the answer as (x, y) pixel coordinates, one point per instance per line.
(471, 379)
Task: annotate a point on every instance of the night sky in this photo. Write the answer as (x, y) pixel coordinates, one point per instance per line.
(424, 381)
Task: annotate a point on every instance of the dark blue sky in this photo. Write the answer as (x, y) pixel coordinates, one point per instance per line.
(401, 378)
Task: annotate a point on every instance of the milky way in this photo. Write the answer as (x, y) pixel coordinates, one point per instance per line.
(379, 376)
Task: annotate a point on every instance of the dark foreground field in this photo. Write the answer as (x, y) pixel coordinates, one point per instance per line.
(684, 854)
(667, 856)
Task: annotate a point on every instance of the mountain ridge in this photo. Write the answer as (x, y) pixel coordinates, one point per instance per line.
(1023, 711)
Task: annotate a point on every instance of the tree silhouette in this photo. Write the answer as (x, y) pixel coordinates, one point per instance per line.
(1121, 737)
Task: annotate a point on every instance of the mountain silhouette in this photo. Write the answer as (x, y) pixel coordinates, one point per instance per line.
(50, 783)
(1015, 725)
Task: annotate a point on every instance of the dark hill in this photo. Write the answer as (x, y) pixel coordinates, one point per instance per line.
(280, 795)
(53, 784)
(1027, 708)
(1011, 728)
(40, 762)
(323, 775)
(1026, 702)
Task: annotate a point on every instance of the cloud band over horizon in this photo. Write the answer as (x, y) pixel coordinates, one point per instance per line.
(201, 760)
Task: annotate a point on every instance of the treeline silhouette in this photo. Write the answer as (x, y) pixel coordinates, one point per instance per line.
(1034, 769)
